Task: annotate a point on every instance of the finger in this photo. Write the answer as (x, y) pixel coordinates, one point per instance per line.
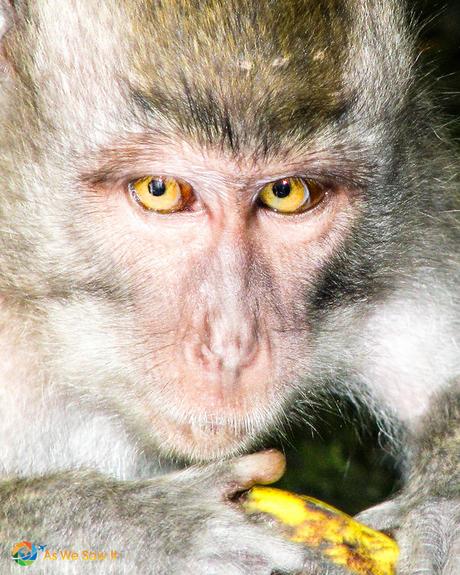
(264, 467)
(383, 517)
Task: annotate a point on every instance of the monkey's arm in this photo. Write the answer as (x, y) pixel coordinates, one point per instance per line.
(426, 515)
(178, 523)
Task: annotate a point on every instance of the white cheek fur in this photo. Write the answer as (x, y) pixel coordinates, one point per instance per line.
(409, 352)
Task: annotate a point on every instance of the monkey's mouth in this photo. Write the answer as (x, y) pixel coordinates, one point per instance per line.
(202, 440)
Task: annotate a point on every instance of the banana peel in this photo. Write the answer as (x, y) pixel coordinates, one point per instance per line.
(336, 535)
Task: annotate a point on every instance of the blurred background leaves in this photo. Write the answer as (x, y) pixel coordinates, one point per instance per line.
(342, 462)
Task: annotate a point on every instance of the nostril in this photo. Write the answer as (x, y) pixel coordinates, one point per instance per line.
(248, 353)
(209, 359)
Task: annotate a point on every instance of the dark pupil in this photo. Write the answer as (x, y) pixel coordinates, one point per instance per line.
(281, 189)
(157, 187)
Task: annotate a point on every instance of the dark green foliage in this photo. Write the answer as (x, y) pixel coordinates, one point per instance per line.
(339, 467)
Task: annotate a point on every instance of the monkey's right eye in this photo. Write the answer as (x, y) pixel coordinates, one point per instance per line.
(161, 194)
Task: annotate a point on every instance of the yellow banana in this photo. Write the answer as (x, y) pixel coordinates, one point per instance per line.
(336, 535)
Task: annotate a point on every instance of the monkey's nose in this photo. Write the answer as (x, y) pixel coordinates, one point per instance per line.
(221, 348)
(231, 356)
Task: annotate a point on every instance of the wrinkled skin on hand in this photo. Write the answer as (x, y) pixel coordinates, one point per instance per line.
(427, 531)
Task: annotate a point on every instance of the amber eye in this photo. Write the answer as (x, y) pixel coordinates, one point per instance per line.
(291, 195)
(160, 194)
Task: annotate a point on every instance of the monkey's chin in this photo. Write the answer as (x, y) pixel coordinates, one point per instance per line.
(201, 442)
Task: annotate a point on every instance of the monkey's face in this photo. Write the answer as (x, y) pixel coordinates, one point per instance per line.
(222, 276)
(193, 173)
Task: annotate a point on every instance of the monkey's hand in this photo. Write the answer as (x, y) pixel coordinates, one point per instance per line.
(210, 534)
(183, 522)
(427, 531)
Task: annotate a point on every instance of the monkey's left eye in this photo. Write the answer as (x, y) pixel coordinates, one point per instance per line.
(291, 195)
(161, 194)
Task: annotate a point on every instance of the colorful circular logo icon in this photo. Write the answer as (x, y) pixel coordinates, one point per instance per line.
(24, 553)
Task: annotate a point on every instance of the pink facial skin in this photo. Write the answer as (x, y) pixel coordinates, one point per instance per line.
(220, 288)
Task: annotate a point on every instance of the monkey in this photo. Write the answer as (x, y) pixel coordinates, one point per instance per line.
(215, 214)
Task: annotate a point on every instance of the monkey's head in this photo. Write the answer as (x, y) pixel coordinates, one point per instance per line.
(194, 187)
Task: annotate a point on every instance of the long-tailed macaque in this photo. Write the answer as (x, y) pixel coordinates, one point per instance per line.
(213, 214)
